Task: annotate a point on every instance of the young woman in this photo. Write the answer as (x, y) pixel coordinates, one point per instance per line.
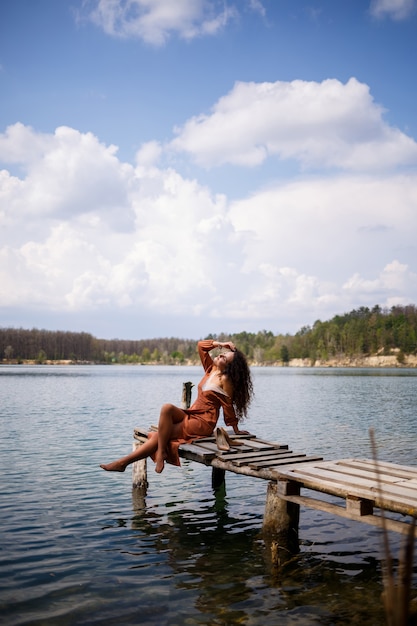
(226, 383)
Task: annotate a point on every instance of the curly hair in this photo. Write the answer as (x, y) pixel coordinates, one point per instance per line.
(239, 375)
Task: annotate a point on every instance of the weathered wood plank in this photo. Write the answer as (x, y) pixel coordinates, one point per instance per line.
(386, 466)
(279, 459)
(240, 458)
(258, 445)
(275, 470)
(391, 502)
(261, 460)
(212, 438)
(389, 470)
(386, 469)
(347, 481)
(328, 507)
(196, 453)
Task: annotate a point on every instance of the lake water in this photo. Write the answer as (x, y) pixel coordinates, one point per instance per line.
(79, 547)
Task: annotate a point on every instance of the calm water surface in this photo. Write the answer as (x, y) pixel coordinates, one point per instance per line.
(78, 547)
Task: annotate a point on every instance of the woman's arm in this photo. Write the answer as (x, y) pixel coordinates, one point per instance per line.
(204, 348)
(230, 419)
(225, 344)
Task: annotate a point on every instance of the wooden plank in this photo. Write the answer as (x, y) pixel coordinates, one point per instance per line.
(186, 448)
(195, 453)
(392, 474)
(278, 459)
(247, 456)
(141, 432)
(260, 460)
(348, 481)
(359, 506)
(209, 445)
(212, 438)
(387, 469)
(327, 475)
(328, 507)
(289, 461)
(389, 502)
(385, 465)
(281, 446)
(258, 445)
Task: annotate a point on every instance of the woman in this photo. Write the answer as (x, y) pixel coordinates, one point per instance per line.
(226, 383)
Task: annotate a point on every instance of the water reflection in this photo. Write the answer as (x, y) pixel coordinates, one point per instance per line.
(224, 571)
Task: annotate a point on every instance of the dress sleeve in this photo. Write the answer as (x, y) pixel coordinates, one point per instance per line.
(229, 414)
(204, 348)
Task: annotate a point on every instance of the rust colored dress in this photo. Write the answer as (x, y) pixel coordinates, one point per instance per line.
(201, 418)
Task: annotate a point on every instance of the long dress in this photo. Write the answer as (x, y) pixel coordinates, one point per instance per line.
(201, 418)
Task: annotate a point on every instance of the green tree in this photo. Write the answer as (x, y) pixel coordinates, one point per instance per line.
(41, 358)
(285, 354)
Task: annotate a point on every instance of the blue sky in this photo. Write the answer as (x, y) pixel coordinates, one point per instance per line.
(193, 167)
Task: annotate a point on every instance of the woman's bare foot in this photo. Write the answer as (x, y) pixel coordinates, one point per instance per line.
(160, 464)
(116, 466)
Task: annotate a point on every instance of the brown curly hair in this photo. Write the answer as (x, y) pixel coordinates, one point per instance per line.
(239, 375)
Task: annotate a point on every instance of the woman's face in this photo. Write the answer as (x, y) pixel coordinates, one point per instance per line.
(223, 359)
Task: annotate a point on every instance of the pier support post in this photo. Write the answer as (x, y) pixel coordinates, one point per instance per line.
(281, 518)
(218, 481)
(139, 471)
(186, 395)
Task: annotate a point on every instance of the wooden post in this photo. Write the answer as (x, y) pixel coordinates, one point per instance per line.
(186, 395)
(139, 473)
(280, 525)
(218, 481)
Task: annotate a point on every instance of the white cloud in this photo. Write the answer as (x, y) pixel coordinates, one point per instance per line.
(67, 174)
(396, 9)
(83, 231)
(328, 124)
(335, 222)
(396, 284)
(62, 243)
(313, 245)
(154, 21)
(258, 7)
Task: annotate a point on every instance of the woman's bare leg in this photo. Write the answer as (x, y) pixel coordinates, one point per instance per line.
(169, 427)
(141, 452)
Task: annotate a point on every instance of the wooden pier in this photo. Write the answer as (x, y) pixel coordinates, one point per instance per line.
(376, 493)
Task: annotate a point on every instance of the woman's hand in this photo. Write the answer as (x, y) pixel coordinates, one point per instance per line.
(227, 344)
(240, 432)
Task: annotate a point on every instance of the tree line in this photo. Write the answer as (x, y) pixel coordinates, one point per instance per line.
(361, 332)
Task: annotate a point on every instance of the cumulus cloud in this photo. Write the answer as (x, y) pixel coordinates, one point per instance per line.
(396, 284)
(83, 231)
(396, 9)
(327, 124)
(300, 238)
(63, 245)
(154, 21)
(67, 174)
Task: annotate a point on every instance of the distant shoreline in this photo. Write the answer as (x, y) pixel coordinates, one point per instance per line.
(371, 362)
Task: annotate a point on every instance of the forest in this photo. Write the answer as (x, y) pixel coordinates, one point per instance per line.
(362, 332)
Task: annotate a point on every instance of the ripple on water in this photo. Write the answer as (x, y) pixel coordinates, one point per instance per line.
(78, 547)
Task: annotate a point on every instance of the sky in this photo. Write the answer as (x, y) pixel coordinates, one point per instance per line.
(179, 169)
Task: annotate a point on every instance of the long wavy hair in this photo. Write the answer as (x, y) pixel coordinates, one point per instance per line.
(239, 375)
